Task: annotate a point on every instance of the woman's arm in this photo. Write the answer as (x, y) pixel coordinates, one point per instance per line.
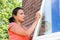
(32, 27)
(19, 30)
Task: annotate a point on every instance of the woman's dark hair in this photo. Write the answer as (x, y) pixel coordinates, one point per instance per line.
(14, 12)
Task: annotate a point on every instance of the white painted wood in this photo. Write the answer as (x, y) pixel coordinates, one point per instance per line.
(52, 36)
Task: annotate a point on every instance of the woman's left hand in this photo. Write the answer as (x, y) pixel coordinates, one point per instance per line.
(37, 16)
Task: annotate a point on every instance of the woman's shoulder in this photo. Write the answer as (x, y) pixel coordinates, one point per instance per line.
(11, 24)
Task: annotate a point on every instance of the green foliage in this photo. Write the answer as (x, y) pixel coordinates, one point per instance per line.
(6, 7)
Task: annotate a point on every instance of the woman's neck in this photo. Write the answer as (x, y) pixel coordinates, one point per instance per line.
(19, 23)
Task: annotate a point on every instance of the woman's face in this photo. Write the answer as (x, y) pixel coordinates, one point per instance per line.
(20, 15)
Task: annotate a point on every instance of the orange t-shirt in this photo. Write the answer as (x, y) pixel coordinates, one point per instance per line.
(14, 36)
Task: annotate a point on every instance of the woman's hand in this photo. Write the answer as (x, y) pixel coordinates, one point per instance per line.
(37, 16)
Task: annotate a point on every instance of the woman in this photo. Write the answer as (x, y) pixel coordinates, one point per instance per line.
(16, 30)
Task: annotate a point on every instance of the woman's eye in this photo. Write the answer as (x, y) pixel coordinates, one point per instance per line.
(21, 13)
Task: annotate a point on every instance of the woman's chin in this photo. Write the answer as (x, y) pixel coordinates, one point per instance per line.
(23, 20)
